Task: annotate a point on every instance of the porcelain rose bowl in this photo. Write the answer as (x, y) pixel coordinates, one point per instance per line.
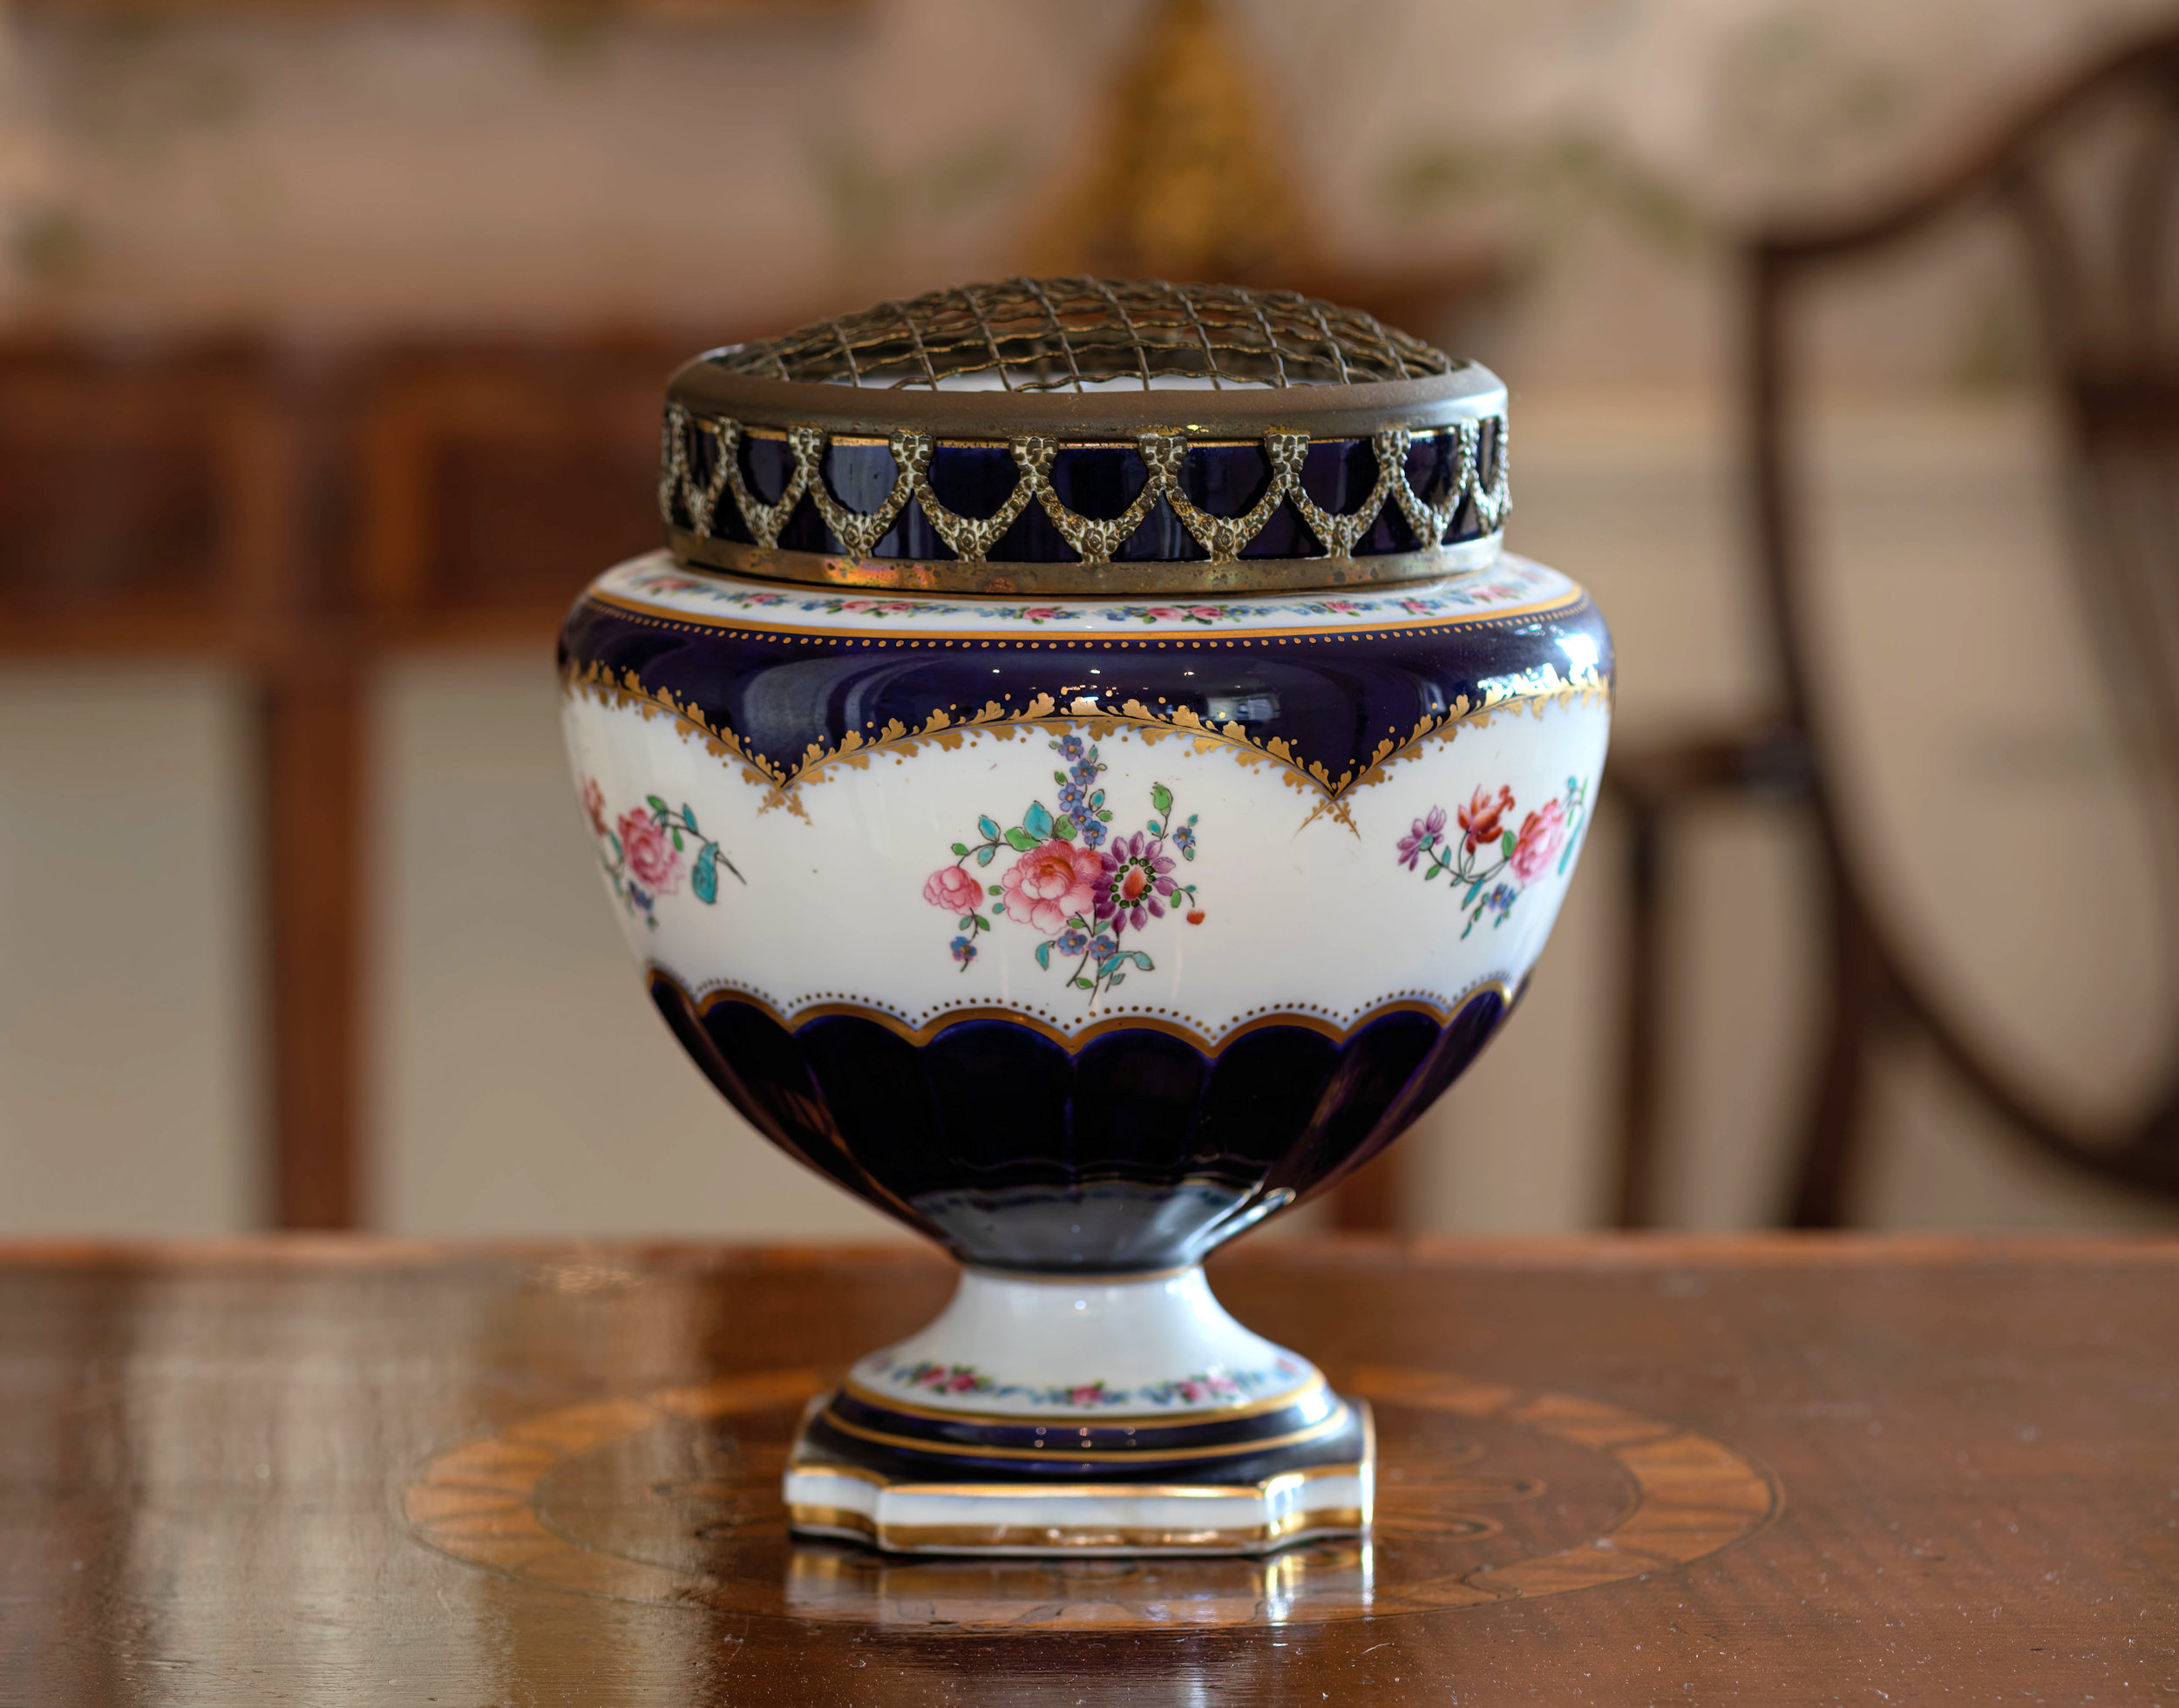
(1083, 775)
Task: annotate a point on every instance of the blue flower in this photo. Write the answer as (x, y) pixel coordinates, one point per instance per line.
(1092, 832)
(1071, 747)
(1073, 942)
(964, 952)
(1184, 838)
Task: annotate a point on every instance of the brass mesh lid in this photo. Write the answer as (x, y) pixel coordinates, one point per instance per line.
(1086, 435)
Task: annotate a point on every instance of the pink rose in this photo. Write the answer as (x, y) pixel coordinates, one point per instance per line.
(1209, 614)
(594, 803)
(1165, 612)
(1086, 1396)
(1040, 613)
(651, 859)
(1050, 884)
(1543, 834)
(951, 888)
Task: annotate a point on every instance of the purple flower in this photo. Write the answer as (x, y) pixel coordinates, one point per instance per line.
(1422, 837)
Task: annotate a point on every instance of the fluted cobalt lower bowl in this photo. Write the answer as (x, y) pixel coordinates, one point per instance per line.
(1082, 931)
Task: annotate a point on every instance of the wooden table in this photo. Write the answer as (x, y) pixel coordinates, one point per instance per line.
(1771, 1469)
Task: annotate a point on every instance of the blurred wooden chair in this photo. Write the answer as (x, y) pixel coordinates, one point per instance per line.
(2089, 177)
(296, 518)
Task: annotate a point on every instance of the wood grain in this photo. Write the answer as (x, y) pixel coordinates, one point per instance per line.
(232, 1473)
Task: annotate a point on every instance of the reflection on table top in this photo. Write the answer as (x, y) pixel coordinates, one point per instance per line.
(382, 1472)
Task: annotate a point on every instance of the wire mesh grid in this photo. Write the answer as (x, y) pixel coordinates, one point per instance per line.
(1057, 334)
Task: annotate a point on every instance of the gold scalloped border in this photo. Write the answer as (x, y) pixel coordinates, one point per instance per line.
(1531, 691)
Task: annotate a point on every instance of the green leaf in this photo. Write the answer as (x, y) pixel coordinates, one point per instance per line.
(1104, 817)
(689, 818)
(657, 805)
(960, 847)
(1044, 956)
(1019, 840)
(996, 889)
(1077, 922)
(1431, 874)
(1508, 843)
(1083, 985)
(1037, 821)
(705, 880)
(1060, 777)
(677, 847)
(990, 827)
(984, 854)
(1161, 798)
(1063, 828)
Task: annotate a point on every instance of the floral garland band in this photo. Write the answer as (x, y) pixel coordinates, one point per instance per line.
(1476, 592)
(1082, 896)
(1485, 850)
(1191, 1390)
(1533, 692)
(642, 853)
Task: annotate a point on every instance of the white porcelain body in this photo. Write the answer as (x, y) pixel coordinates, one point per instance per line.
(1316, 818)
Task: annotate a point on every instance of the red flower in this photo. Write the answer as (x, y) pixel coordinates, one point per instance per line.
(594, 803)
(1479, 819)
(651, 859)
(953, 888)
(1543, 834)
(1195, 916)
(1049, 884)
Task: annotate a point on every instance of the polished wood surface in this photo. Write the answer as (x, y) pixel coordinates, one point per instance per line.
(1767, 1469)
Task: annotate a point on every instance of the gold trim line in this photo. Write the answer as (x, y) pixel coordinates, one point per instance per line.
(1330, 1425)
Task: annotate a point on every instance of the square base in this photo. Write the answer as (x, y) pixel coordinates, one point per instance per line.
(1251, 1503)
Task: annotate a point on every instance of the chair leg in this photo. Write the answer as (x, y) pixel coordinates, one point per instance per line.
(1831, 1139)
(1369, 1199)
(1642, 1038)
(313, 815)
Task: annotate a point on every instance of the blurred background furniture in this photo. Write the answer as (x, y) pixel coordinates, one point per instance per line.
(306, 516)
(2089, 178)
(301, 520)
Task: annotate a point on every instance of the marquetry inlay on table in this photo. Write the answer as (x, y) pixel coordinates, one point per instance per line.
(1765, 1468)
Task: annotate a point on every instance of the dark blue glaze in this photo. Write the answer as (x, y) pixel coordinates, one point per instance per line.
(821, 1441)
(1334, 699)
(1096, 481)
(1140, 1151)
